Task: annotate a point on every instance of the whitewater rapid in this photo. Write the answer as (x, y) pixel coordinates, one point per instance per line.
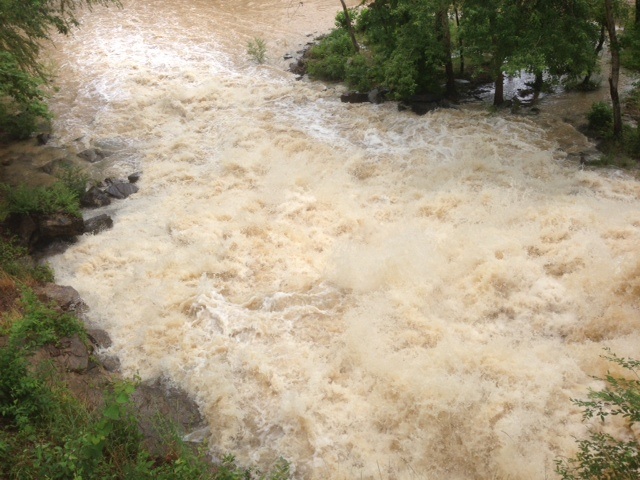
(364, 292)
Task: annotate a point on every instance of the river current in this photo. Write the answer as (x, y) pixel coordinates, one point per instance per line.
(364, 292)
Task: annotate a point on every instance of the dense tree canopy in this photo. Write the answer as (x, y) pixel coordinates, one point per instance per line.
(411, 46)
(408, 46)
(24, 25)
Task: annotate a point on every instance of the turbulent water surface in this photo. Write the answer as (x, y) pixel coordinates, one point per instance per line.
(366, 293)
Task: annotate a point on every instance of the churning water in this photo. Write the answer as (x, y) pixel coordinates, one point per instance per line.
(367, 293)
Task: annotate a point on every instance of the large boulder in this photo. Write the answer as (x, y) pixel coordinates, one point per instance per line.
(59, 225)
(95, 198)
(121, 190)
(354, 97)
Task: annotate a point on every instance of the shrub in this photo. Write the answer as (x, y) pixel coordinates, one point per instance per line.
(14, 261)
(328, 59)
(74, 178)
(600, 118)
(257, 50)
(360, 73)
(57, 198)
(602, 455)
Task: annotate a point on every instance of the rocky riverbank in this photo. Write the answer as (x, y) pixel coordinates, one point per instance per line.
(85, 367)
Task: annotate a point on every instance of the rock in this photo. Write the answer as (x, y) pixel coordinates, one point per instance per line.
(299, 67)
(198, 436)
(162, 400)
(111, 363)
(92, 155)
(134, 177)
(354, 97)
(108, 145)
(94, 198)
(98, 224)
(43, 138)
(422, 104)
(25, 228)
(56, 165)
(71, 354)
(121, 190)
(59, 225)
(377, 95)
(67, 298)
(99, 337)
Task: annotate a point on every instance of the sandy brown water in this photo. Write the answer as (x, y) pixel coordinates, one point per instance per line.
(367, 293)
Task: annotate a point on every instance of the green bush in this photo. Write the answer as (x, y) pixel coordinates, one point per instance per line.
(57, 198)
(257, 50)
(328, 59)
(41, 325)
(360, 73)
(600, 118)
(603, 456)
(74, 178)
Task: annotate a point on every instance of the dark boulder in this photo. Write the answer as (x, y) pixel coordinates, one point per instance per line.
(377, 95)
(43, 138)
(422, 104)
(134, 177)
(98, 224)
(94, 198)
(121, 190)
(59, 225)
(354, 97)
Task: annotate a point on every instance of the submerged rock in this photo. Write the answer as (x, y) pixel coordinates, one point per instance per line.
(98, 224)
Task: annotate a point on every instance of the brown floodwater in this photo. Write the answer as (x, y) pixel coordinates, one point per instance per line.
(364, 292)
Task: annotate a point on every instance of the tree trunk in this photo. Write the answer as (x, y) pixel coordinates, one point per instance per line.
(538, 82)
(350, 27)
(587, 78)
(498, 97)
(442, 20)
(615, 68)
(461, 44)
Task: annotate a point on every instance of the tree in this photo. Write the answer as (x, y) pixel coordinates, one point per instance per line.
(444, 34)
(24, 25)
(492, 33)
(508, 36)
(352, 34)
(614, 76)
(603, 455)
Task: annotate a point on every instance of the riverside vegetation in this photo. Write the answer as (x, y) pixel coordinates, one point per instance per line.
(46, 429)
(412, 48)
